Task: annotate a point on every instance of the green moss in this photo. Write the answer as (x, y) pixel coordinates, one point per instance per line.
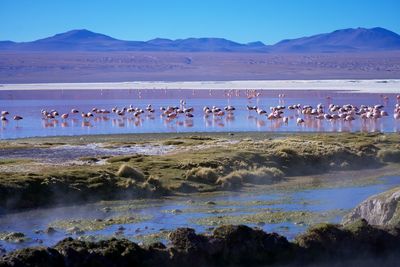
(119, 159)
(14, 161)
(13, 237)
(130, 172)
(259, 159)
(231, 181)
(93, 224)
(270, 216)
(356, 226)
(202, 174)
(127, 205)
(318, 234)
(148, 239)
(173, 143)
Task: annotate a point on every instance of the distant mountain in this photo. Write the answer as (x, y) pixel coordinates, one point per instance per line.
(84, 40)
(347, 40)
(75, 40)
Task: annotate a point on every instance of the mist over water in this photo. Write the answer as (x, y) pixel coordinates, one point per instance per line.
(161, 218)
(29, 104)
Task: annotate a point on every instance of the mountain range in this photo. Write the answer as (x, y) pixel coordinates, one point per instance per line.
(345, 40)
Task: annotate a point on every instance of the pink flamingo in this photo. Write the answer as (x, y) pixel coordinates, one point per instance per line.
(17, 118)
(65, 116)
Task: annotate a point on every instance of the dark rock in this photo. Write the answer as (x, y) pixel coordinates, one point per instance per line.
(358, 239)
(33, 257)
(188, 248)
(355, 244)
(113, 252)
(185, 239)
(156, 245)
(50, 230)
(244, 245)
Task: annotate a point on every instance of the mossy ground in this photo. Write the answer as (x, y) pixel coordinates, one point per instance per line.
(271, 216)
(292, 155)
(93, 224)
(13, 237)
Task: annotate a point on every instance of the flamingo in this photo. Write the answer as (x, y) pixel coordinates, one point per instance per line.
(251, 107)
(65, 116)
(229, 108)
(260, 111)
(86, 115)
(188, 110)
(17, 118)
(172, 115)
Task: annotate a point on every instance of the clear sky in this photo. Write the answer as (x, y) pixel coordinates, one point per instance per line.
(268, 21)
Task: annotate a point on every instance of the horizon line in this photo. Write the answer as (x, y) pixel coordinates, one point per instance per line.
(192, 37)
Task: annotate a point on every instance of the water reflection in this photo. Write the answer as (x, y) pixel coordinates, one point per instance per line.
(107, 112)
(86, 124)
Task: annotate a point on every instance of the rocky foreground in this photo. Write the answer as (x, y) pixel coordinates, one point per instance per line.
(356, 244)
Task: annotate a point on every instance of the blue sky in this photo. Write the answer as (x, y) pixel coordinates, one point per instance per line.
(268, 21)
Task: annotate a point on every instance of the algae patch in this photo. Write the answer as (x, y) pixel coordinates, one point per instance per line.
(96, 224)
(147, 239)
(271, 216)
(13, 237)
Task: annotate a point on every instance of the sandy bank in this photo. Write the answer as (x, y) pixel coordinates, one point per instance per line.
(362, 86)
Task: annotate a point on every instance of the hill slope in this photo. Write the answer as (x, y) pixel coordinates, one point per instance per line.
(360, 39)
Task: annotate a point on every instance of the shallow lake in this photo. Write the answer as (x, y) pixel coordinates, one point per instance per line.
(29, 104)
(199, 212)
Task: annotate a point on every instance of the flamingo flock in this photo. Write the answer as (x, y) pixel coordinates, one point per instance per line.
(300, 113)
(331, 113)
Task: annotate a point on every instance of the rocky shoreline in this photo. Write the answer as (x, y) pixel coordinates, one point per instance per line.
(355, 244)
(382, 209)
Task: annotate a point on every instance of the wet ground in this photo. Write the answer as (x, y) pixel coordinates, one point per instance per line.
(70, 153)
(287, 212)
(29, 104)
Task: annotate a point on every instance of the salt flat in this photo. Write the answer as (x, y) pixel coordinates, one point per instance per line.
(361, 86)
